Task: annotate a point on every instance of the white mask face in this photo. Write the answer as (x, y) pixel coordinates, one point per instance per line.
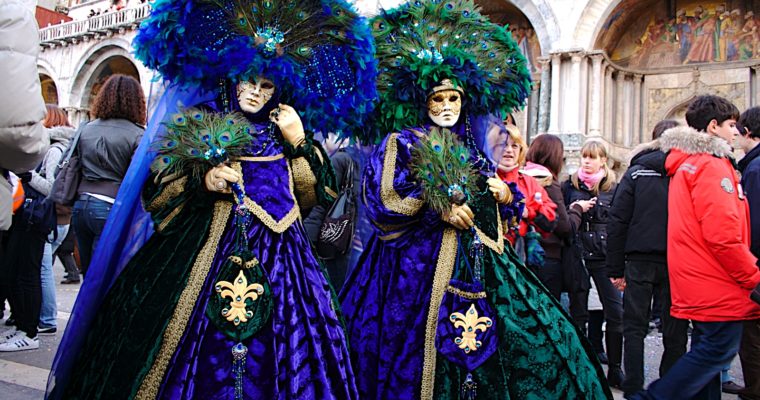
(444, 107)
(252, 96)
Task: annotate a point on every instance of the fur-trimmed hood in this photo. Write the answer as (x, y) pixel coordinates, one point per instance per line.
(686, 147)
(690, 141)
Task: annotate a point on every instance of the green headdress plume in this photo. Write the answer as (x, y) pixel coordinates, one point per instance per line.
(421, 43)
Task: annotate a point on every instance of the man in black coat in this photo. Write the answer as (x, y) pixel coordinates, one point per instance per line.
(749, 166)
(637, 258)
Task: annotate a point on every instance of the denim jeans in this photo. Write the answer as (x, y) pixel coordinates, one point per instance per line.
(88, 219)
(697, 374)
(49, 309)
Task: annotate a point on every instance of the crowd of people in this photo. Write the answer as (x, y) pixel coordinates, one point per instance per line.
(245, 253)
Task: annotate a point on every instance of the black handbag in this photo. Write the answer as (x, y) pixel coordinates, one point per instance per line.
(68, 175)
(337, 230)
(38, 212)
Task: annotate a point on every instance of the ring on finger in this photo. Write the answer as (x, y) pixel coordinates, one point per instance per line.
(452, 219)
(220, 185)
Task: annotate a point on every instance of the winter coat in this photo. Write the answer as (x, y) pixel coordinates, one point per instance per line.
(563, 229)
(23, 141)
(711, 268)
(638, 220)
(750, 169)
(105, 150)
(42, 181)
(593, 225)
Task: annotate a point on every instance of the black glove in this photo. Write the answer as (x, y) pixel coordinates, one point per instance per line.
(25, 176)
(755, 295)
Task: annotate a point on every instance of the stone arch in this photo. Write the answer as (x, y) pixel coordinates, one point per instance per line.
(89, 64)
(541, 16)
(49, 89)
(593, 18)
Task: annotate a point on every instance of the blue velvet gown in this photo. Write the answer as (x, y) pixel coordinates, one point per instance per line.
(153, 338)
(393, 297)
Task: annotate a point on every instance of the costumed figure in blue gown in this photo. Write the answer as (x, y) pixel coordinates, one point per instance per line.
(225, 300)
(439, 306)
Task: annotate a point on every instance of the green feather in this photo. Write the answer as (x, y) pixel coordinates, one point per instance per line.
(191, 133)
(439, 161)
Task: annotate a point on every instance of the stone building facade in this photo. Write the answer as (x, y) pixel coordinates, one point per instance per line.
(604, 69)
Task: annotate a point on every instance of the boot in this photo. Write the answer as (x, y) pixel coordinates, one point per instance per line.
(615, 374)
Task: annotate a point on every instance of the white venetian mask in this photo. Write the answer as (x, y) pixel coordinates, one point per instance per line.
(252, 96)
(444, 107)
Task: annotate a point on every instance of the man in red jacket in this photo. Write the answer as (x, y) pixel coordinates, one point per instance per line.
(712, 271)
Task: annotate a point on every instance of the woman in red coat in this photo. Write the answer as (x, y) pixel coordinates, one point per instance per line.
(539, 214)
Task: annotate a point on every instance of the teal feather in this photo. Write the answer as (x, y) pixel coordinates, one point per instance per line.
(191, 133)
(440, 160)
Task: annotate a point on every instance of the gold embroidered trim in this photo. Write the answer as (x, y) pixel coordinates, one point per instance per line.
(261, 159)
(169, 218)
(259, 211)
(181, 316)
(466, 295)
(443, 270)
(497, 244)
(391, 199)
(331, 192)
(171, 191)
(305, 182)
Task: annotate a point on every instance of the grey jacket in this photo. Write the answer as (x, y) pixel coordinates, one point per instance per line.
(105, 150)
(60, 137)
(23, 141)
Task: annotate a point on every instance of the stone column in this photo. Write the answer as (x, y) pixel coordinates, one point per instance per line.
(619, 135)
(609, 103)
(638, 133)
(755, 95)
(571, 111)
(555, 96)
(595, 106)
(544, 95)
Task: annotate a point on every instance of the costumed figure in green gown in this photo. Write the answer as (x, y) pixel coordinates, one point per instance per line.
(226, 300)
(439, 305)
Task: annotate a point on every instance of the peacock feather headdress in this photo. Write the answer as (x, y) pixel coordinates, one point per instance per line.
(319, 53)
(423, 42)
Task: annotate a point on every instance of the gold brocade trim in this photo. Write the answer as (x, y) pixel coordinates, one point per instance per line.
(259, 211)
(181, 316)
(391, 199)
(497, 244)
(443, 270)
(261, 159)
(305, 182)
(171, 191)
(276, 226)
(466, 295)
(169, 218)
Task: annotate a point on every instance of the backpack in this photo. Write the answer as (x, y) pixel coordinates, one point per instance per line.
(68, 174)
(337, 230)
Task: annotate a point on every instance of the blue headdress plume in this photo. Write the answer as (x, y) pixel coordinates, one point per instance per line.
(319, 53)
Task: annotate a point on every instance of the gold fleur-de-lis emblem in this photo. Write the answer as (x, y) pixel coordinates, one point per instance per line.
(238, 291)
(470, 323)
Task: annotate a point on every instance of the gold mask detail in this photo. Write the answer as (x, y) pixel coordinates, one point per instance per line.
(445, 100)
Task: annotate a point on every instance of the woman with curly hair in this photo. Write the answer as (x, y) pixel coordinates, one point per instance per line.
(105, 150)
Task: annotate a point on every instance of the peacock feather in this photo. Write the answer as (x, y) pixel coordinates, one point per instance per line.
(318, 53)
(195, 141)
(290, 28)
(442, 166)
(422, 42)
